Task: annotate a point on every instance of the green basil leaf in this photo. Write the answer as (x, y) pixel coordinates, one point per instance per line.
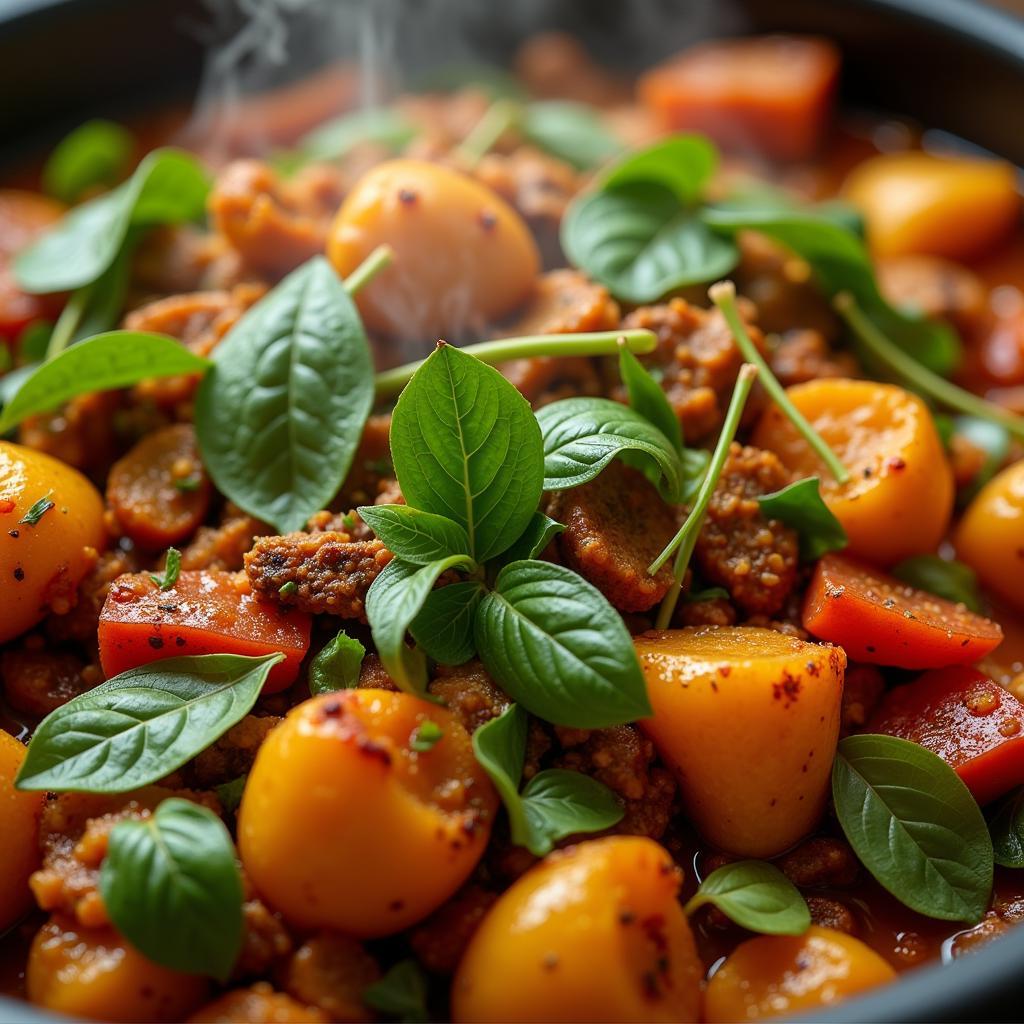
(334, 139)
(560, 803)
(230, 793)
(415, 536)
(117, 359)
(638, 240)
(34, 340)
(96, 153)
(337, 665)
(444, 625)
(800, 506)
(1006, 827)
(707, 594)
(394, 599)
(103, 299)
(168, 187)
(555, 645)
(401, 993)
(173, 889)
(914, 825)
(993, 440)
(648, 399)
(500, 747)
(281, 412)
(683, 164)
(573, 132)
(755, 895)
(466, 446)
(952, 580)
(540, 531)
(143, 724)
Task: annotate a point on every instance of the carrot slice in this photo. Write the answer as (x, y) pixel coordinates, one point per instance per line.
(205, 612)
(971, 722)
(878, 619)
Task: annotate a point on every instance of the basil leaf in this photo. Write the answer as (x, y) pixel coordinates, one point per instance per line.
(572, 132)
(466, 445)
(117, 359)
(143, 724)
(337, 665)
(993, 440)
(444, 625)
(539, 533)
(168, 187)
(755, 895)
(554, 644)
(394, 599)
(647, 398)
(95, 153)
(560, 803)
(800, 506)
(415, 536)
(230, 793)
(582, 435)
(500, 747)
(683, 164)
(914, 825)
(707, 594)
(280, 414)
(401, 993)
(1006, 827)
(952, 580)
(173, 889)
(638, 241)
(334, 139)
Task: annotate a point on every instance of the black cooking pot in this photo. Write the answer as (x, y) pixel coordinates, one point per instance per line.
(951, 64)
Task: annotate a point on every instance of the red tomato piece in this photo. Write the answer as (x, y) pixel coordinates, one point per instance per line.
(876, 618)
(971, 722)
(206, 612)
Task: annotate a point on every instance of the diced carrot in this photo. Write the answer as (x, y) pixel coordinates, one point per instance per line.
(878, 619)
(971, 722)
(769, 94)
(205, 612)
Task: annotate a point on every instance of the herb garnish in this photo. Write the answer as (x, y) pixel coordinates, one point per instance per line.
(96, 153)
(401, 993)
(800, 506)
(952, 580)
(426, 736)
(37, 510)
(337, 666)
(1006, 826)
(289, 589)
(755, 895)
(172, 568)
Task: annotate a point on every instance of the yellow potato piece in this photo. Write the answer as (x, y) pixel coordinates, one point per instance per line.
(19, 823)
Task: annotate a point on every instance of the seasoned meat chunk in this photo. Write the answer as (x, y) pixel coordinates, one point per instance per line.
(831, 914)
(469, 693)
(258, 1004)
(440, 941)
(804, 354)
(935, 288)
(615, 526)
(37, 681)
(223, 547)
(330, 970)
(265, 939)
(233, 754)
(820, 861)
(83, 433)
(738, 548)
(862, 690)
(81, 621)
(557, 65)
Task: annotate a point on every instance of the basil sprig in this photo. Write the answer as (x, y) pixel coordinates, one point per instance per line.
(554, 803)
(337, 665)
(801, 506)
(96, 153)
(755, 895)
(173, 889)
(952, 580)
(914, 825)
(1006, 826)
(143, 724)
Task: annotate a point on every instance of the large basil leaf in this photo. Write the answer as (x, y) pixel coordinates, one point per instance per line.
(337, 665)
(647, 398)
(143, 724)
(281, 412)
(683, 164)
(1006, 827)
(172, 888)
(539, 533)
(755, 895)
(554, 644)
(800, 506)
(466, 445)
(560, 803)
(95, 153)
(415, 536)
(500, 747)
(914, 825)
(952, 580)
(573, 132)
(444, 625)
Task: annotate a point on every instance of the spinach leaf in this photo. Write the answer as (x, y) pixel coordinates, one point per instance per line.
(952, 580)
(444, 625)
(1006, 827)
(117, 359)
(335, 139)
(800, 506)
(647, 398)
(143, 724)
(96, 153)
(401, 993)
(573, 132)
(755, 895)
(281, 412)
(560, 803)
(415, 536)
(683, 164)
(466, 446)
(554, 644)
(914, 825)
(539, 533)
(337, 665)
(173, 889)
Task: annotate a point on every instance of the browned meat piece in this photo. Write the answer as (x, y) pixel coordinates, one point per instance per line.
(258, 1004)
(331, 572)
(265, 942)
(442, 119)
(373, 675)
(469, 693)
(820, 861)
(804, 354)
(38, 681)
(754, 558)
(716, 612)
(831, 914)
(330, 970)
(862, 690)
(81, 622)
(440, 941)
(83, 433)
(232, 755)
(371, 467)
(171, 260)
(935, 287)
(556, 65)
(224, 546)
(615, 526)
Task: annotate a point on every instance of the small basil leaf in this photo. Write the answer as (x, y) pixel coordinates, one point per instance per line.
(801, 507)
(560, 803)
(230, 793)
(415, 536)
(647, 398)
(95, 153)
(168, 187)
(117, 359)
(993, 439)
(466, 446)
(755, 895)
(500, 747)
(683, 164)
(573, 132)
(444, 625)
(172, 888)
(1006, 827)
(401, 993)
(333, 140)
(281, 412)
(539, 533)
(103, 299)
(914, 825)
(337, 665)
(143, 724)
(10, 384)
(554, 644)
(952, 580)
(394, 599)
(708, 594)
(638, 241)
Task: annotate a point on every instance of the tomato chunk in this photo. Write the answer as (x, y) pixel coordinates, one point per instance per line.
(878, 619)
(971, 722)
(206, 612)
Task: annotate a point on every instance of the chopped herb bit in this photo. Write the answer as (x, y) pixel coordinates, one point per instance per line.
(708, 594)
(288, 589)
(426, 736)
(172, 569)
(349, 521)
(188, 483)
(38, 510)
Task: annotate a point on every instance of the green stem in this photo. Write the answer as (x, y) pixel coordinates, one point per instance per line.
(381, 257)
(686, 537)
(68, 321)
(920, 377)
(498, 117)
(503, 350)
(723, 295)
